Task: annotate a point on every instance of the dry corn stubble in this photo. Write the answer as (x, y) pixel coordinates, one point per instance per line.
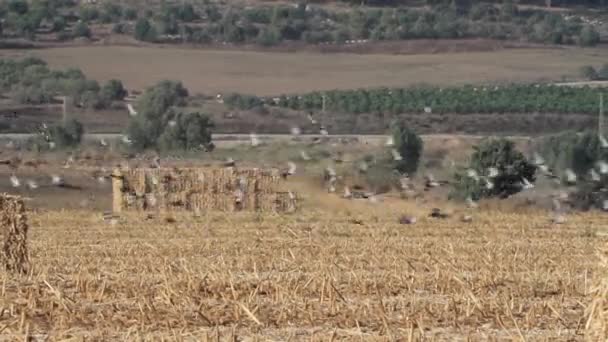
(13, 232)
(314, 276)
(597, 312)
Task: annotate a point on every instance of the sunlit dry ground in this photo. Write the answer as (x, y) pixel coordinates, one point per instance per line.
(271, 73)
(338, 269)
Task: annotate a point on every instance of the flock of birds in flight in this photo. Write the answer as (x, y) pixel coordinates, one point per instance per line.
(407, 186)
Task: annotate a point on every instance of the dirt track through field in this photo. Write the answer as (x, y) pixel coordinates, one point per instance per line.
(266, 73)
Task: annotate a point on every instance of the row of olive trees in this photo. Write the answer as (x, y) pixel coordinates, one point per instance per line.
(514, 98)
(31, 81)
(270, 25)
(159, 124)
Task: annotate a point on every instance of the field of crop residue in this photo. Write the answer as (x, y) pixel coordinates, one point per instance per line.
(269, 73)
(345, 272)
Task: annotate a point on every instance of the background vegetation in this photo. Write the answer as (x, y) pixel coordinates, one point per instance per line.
(513, 98)
(30, 81)
(269, 25)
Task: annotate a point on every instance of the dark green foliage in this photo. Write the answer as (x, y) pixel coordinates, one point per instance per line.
(82, 30)
(144, 30)
(18, 6)
(88, 13)
(268, 37)
(588, 36)
(68, 134)
(579, 151)
(515, 98)
(513, 171)
(111, 12)
(114, 90)
(243, 102)
(158, 99)
(262, 23)
(187, 132)
(130, 14)
(156, 118)
(409, 145)
(30, 81)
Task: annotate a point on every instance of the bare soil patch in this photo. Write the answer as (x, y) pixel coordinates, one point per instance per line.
(267, 73)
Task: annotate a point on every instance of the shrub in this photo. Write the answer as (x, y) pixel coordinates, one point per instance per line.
(18, 6)
(409, 145)
(68, 134)
(186, 132)
(588, 36)
(114, 90)
(82, 30)
(268, 37)
(243, 102)
(577, 151)
(88, 13)
(144, 31)
(513, 170)
(155, 114)
(130, 14)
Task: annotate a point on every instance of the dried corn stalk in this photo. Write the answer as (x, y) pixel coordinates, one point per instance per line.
(13, 229)
(597, 312)
(200, 189)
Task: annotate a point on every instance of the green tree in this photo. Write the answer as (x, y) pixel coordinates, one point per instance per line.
(409, 145)
(81, 29)
(268, 37)
(512, 172)
(68, 134)
(144, 31)
(588, 36)
(186, 13)
(113, 90)
(155, 113)
(187, 132)
(18, 6)
(130, 13)
(59, 24)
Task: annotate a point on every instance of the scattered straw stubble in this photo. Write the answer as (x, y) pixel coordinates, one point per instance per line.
(312, 276)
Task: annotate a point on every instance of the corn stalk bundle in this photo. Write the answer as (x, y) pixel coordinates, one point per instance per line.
(597, 311)
(199, 189)
(13, 232)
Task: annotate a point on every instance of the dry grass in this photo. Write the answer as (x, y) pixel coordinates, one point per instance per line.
(345, 272)
(211, 71)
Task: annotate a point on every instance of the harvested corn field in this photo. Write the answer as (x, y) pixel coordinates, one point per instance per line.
(338, 273)
(201, 189)
(597, 324)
